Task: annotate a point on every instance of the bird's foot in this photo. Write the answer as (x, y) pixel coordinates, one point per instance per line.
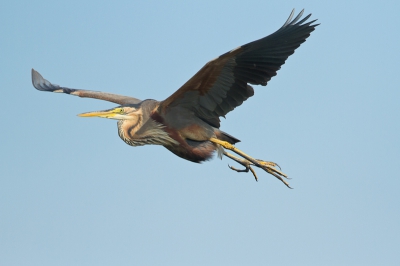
(248, 162)
(271, 168)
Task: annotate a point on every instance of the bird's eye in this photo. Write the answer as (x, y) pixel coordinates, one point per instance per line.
(121, 111)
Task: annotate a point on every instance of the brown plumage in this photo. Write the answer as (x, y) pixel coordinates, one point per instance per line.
(187, 123)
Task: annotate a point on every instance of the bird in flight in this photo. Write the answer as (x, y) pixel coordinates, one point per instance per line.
(187, 122)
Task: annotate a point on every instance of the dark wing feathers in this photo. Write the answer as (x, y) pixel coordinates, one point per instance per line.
(44, 85)
(221, 85)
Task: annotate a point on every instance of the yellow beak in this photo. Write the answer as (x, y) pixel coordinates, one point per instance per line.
(105, 114)
(116, 113)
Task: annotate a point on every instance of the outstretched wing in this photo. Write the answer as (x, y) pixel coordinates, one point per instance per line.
(44, 85)
(222, 84)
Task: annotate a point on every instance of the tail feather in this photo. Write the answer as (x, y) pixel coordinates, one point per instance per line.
(226, 137)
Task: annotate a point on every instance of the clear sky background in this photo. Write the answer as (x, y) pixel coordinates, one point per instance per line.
(73, 193)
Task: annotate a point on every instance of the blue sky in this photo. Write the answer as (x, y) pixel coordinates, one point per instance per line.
(72, 193)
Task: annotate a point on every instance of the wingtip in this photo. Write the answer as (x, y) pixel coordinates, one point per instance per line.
(34, 73)
(36, 79)
(295, 21)
(42, 84)
(289, 18)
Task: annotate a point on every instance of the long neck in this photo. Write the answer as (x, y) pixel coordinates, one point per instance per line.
(127, 131)
(137, 132)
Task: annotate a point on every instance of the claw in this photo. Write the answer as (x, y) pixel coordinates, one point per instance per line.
(275, 171)
(238, 170)
(254, 173)
(281, 179)
(246, 169)
(269, 163)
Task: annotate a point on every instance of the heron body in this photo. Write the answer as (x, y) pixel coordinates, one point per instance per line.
(187, 123)
(188, 137)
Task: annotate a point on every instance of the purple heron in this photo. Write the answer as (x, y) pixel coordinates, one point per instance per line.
(187, 122)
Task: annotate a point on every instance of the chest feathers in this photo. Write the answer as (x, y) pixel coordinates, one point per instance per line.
(136, 132)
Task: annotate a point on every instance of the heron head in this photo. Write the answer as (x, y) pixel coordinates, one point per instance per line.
(118, 113)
